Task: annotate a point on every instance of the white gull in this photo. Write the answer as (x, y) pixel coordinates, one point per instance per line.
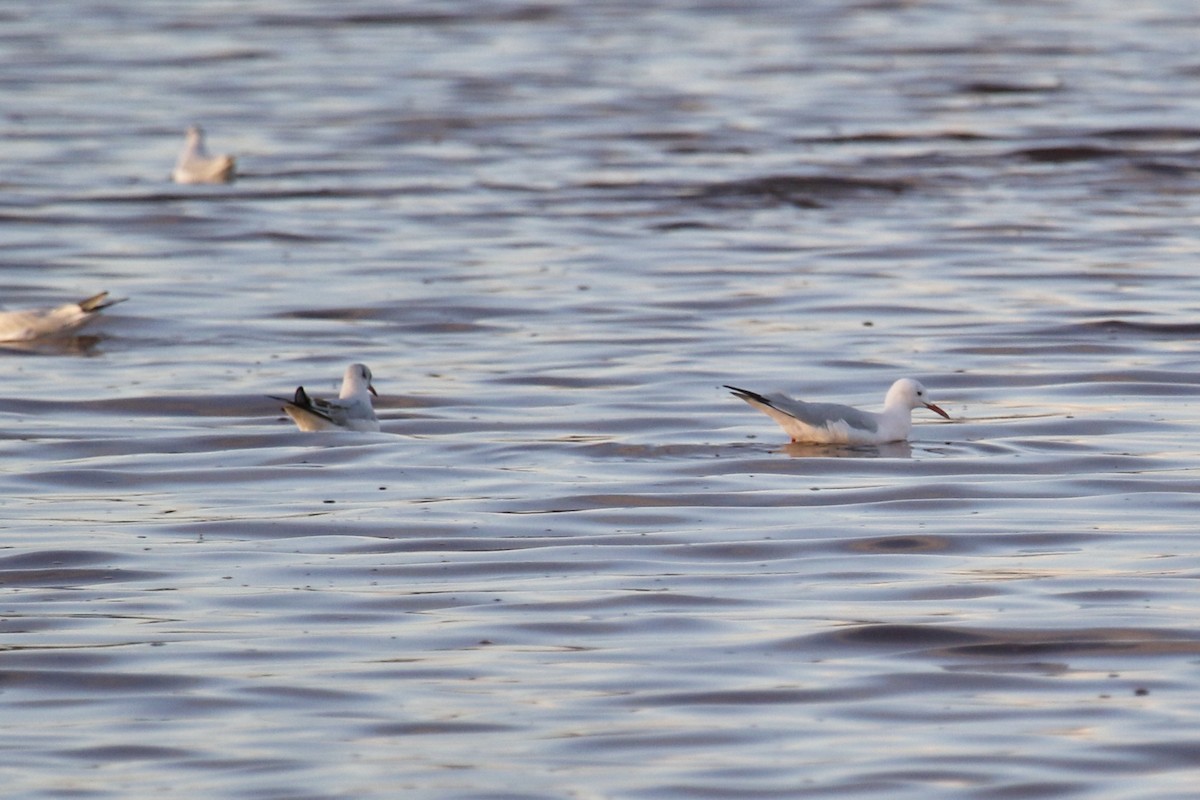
(195, 165)
(831, 423)
(351, 410)
(43, 323)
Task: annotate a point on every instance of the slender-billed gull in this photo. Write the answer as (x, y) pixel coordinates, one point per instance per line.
(43, 323)
(830, 423)
(350, 411)
(195, 165)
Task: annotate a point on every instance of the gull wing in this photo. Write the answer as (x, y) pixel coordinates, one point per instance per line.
(785, 410)
(316, 414)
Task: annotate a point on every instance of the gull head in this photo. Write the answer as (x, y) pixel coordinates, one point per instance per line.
(357, 380)
(908, 394)
(193, 146)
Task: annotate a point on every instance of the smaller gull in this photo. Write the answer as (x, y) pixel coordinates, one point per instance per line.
(830, 423)
(195, 165)
(43, 323)
(350, 411)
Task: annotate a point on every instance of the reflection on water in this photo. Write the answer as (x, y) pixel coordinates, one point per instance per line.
(554, 232)
(885, 450)
(84, 345)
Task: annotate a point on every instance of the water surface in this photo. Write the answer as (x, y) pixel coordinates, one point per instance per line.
(572, 565)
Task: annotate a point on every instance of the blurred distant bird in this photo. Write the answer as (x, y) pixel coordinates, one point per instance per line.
(351, 410)
(830, 423)
(43, 323)
(195, 165)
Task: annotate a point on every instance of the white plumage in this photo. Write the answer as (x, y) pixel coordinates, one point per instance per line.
(831, 423)
(45, 323)
(195, 165)
(352, 410)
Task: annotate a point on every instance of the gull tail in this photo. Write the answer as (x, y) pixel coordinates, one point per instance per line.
(99, 301)
(749, 396)
(301, 401)
(300, 398)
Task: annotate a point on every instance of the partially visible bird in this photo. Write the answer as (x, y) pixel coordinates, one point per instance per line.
(351, 410)
(831, 423)
(195, 165)
(44, 323)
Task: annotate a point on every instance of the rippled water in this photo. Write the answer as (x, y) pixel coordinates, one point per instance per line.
(572, 565)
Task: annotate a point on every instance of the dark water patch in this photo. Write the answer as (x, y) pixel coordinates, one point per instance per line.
(750, 697)
(86, 345)
(317, 520)
(1168, 331)
(1162, 168)
(1149, 133)
(902, 544)
(946, 496)
(879, 310)
(475, 15)
(522, 566)
(1011, 87)
(754, 551)
(424, 540)
(127, 752)
(897, 137)
(801, 191)
(438, 728)
(1060, 349)
(69, 569)
(117, 482)
(1114, 596)
(896, 638)
(1041, 668)
(195, 60)
(956, 642)
(410, 313)
(97, 682)
(1091, 643)
(586, 630)
(56, 559)
(240, 194)
(148, 406)
(282, 445)
(684, 225)
(300, 694)
(1064, 154)
(951, 593)
(75, 578)
(642, 601)
(1172, 751)
(981, 537)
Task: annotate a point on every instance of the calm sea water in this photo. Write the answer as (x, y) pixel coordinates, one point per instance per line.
(572, 565)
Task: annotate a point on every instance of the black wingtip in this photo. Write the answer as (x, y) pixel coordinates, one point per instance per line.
(99, 302)
(302, 401)
(746, 394)
(299, 399)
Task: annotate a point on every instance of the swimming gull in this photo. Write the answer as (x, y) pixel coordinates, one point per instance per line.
(195, 165)
(831, 423)
(41, 323)
(350, 411)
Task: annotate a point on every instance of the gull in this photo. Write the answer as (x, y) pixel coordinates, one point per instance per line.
(831, 423)
(195, 165)
(43, 323)
(350, 411)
